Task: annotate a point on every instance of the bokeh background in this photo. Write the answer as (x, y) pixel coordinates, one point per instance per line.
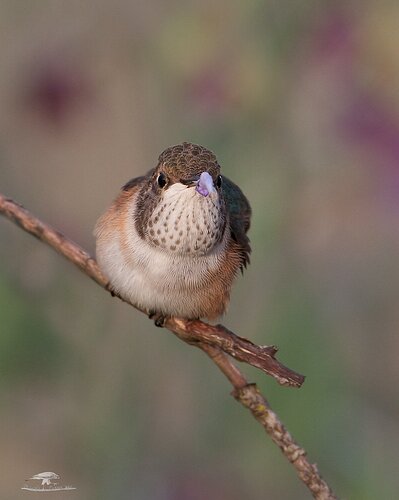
(300, 102)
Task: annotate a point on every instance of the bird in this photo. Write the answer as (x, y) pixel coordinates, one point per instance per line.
(174, 239)
(46, 477)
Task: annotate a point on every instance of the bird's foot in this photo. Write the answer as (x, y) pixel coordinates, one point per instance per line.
(159, 318)
(108, 287)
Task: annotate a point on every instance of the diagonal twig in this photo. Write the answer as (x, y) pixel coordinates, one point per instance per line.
(215, 341)
(262, 357)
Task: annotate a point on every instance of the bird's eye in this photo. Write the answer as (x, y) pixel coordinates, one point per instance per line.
(162, 180)
(219, 181)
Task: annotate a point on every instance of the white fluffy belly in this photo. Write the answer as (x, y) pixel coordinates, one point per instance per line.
(155, 280)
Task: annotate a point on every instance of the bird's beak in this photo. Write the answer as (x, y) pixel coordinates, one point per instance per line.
(205, 184)
(190, 182)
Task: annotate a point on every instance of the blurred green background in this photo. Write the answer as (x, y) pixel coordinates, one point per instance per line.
(300, 102)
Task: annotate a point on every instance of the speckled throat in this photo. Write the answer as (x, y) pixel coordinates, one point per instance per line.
(185, 222)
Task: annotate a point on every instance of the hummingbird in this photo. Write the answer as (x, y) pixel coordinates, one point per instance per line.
(174, 239)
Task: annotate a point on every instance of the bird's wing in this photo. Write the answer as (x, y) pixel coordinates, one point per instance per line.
(239, 212)
(133, 182)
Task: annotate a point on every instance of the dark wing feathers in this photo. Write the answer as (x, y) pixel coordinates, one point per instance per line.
(240, 217)
(134, 182)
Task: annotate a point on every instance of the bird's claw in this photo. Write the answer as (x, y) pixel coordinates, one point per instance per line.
(158, 318)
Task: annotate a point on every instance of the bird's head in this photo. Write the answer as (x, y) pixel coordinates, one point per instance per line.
(180, 207)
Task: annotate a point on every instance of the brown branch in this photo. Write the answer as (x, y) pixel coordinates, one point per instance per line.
(213, 340)
(250, 397)
(262, 357)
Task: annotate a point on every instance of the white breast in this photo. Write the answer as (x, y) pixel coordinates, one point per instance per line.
(186, 222)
